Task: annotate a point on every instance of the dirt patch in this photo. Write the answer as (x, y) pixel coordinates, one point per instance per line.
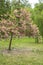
(20, 51)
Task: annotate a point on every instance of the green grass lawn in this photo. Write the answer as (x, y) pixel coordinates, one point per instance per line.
(27, 52)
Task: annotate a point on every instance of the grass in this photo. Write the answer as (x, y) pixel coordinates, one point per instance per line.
(32, 56)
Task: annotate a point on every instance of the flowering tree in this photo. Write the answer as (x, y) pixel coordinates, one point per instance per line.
(21, 26)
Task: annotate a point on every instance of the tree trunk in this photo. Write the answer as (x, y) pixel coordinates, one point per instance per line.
(10, 41)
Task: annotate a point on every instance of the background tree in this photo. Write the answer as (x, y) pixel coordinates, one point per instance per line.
(5, 8)
(2, 7)
(37, 16)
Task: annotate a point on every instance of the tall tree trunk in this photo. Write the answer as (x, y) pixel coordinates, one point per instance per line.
(10, 41)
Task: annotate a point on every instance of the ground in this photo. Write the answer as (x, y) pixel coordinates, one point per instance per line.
(24, 52)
